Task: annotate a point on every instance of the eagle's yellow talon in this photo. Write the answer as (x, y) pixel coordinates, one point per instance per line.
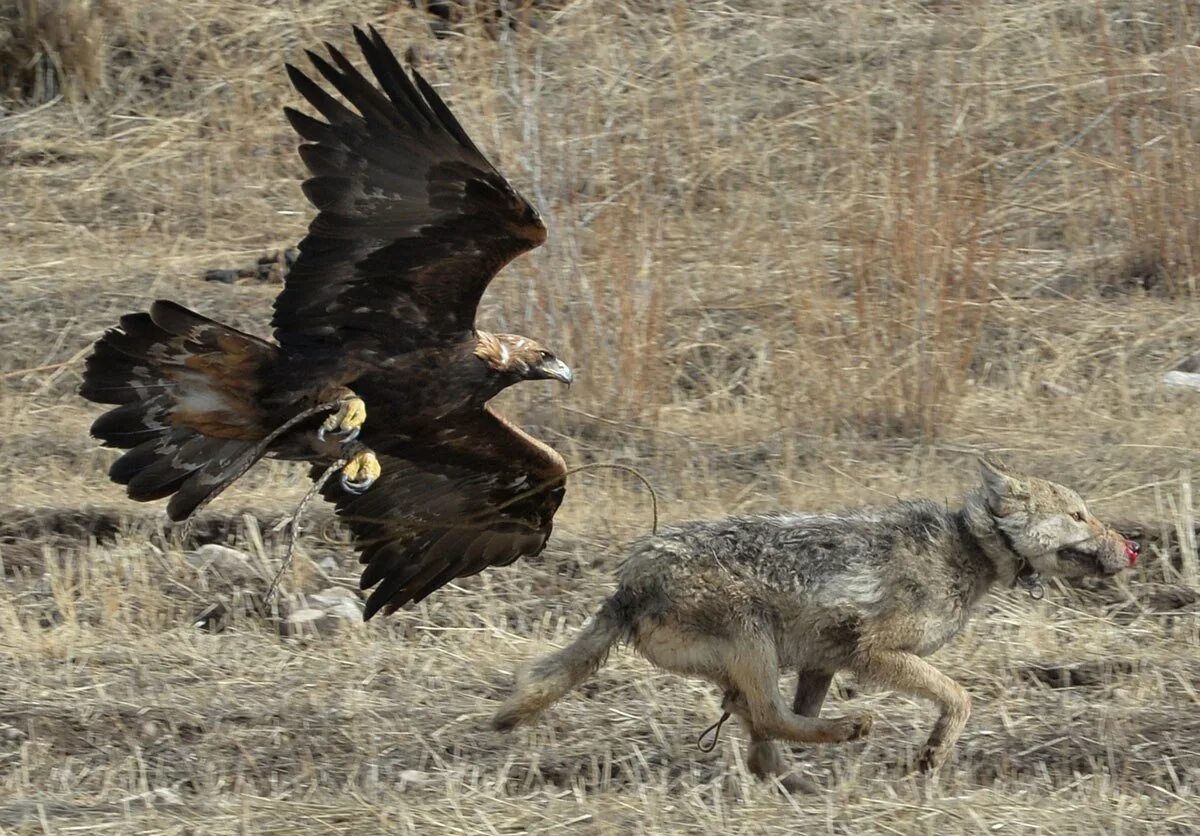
(347, 421)
(361, 472)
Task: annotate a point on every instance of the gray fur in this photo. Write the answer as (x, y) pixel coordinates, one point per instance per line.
(738, 600)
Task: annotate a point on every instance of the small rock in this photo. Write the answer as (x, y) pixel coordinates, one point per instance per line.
(159, 797)
(333, 596)
(230, 563)
(275, 266)
(347, 611)
(222, 276)
(308, 615)
(308, 620)
(1190, 364)
(413, 776)
(1049, 387)
(321, 612)
(1182, 380)
(212, 619)
(338, 602)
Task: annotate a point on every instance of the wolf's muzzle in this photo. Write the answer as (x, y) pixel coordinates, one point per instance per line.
(1113, 554)
(1132, 550)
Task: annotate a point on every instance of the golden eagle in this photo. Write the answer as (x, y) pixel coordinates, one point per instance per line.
(412, 224)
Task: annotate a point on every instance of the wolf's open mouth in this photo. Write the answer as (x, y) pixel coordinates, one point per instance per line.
(1090, 560)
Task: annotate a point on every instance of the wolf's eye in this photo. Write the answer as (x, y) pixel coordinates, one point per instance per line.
(1077, 516)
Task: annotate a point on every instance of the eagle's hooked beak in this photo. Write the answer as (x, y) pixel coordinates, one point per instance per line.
(553, 369)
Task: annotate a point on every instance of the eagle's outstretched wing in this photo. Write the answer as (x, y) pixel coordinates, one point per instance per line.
(413, 220)
(475, 493)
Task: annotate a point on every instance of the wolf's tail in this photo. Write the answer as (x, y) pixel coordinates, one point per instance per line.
(189, 408)
(547, 679)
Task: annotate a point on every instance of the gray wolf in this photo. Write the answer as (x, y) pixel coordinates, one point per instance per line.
(379, 308)
(739, 600)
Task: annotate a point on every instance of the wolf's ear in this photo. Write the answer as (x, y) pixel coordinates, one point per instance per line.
(1004, 491)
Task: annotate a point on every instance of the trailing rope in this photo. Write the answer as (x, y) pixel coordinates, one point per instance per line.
(294, 523)
(632, 471)
(715, 731)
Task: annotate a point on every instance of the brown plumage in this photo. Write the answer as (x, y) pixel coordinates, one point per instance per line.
(413, 222)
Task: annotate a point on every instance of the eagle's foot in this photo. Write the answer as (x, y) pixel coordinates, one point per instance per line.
(347, 422)
(360, 472)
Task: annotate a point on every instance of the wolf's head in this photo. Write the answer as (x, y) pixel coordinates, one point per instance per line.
(1050, 528)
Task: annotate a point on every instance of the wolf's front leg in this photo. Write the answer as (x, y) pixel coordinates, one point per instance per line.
(811, 688)
(913, 675)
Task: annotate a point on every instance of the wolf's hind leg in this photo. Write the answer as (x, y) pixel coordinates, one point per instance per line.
(754, 676)
(913, 675)
(764, 756)
(811, 688)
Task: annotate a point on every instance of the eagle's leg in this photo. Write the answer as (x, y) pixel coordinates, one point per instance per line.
(349, 418)
(361, 471)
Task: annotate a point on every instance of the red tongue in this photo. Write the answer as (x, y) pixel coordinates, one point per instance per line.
(1131, 552)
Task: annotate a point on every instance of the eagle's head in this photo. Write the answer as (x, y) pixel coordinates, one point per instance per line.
(514, 358)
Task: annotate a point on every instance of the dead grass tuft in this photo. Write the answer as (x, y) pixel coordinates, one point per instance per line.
(51, 48)
(921, 273)
(802, 255)
(1153, 147)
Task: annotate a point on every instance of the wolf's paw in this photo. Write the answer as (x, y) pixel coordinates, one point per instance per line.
(360, 472)
(347, 422)
(767, 763)
(931, 758)
(858, 725)
(509, 717)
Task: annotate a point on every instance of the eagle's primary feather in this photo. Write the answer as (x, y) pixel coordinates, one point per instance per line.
(413, 221)
(412, 224)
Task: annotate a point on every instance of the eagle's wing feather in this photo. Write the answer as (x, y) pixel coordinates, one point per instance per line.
(474, 493)
(413, 221)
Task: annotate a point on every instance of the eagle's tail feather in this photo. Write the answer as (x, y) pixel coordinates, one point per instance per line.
(187, 391)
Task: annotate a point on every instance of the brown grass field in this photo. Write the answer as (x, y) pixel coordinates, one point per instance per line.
(803, 255)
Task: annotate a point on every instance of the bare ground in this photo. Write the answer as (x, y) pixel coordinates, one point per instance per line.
(801, 258)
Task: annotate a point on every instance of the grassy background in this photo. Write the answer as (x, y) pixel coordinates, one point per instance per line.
(801, 256)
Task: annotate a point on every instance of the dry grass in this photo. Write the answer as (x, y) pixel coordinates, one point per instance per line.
(801, 256)
(50, 48)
